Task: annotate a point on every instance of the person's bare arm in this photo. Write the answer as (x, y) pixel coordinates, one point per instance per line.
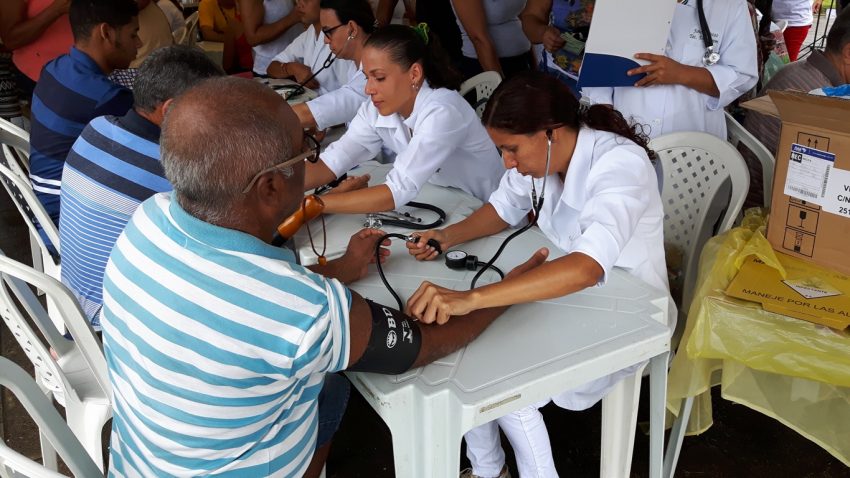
(305, 116)
(535, 23)
(485, 221)
(257, 33)
(317, 174)
(209, 33)
(665, 71)
(437, 340)
(474, 21)
(17, 30)
(384, 11)
(373, 199)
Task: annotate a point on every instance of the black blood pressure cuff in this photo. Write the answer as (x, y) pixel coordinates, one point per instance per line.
(393, 345)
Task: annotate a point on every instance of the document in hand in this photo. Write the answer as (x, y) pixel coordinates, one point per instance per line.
(619, 30)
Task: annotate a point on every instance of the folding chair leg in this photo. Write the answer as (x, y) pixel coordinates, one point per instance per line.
(677, 435)
(619, 419)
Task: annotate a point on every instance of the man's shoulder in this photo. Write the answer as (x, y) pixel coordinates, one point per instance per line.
(800, 75)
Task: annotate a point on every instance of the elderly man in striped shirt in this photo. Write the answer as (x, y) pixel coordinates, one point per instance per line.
(221, 349)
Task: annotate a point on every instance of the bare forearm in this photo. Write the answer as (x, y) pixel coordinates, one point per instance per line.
(487, 56)
(278, 70)
(441, 340)
(317, 174)
(30, 29)
(556, 278)
(483, 222)
(534, 21)
(335, 269)
(699, 79)
(209, 34)
(374, 199)
(256, 32)
(384, 12)
(305, 116)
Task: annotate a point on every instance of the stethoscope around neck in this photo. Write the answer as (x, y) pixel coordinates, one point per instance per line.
(711, 56)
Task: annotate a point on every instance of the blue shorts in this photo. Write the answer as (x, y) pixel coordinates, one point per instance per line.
(332, 402)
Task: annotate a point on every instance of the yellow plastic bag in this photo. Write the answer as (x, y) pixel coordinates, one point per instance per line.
(794, 371)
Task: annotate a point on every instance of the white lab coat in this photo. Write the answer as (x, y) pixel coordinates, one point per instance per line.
(309, 49)
(341, 105)
(607, 207)
(442, 142)
(663, 109)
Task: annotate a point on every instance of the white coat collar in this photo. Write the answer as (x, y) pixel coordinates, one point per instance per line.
(577, 172)
(393, 120)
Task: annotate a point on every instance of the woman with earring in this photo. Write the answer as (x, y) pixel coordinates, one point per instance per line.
(587, 177)
(415, 111)
(345, 25)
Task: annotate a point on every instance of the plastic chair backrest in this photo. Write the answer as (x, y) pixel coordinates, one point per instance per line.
(484, 84)
(697, 167)
(22, 194)
(50, 424)
(739, 135)
(190, 31)
(17, 141)
(20, 307)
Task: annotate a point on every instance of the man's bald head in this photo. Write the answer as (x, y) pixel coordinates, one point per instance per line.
(218, 135)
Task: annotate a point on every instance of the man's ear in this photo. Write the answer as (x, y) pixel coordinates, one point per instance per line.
(106, 33)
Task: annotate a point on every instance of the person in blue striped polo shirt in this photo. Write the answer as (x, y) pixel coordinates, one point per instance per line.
(114, 166)
(74, 88)
(221, 349)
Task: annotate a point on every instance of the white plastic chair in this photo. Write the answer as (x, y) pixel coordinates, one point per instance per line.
(77, 377)
(484, 84)
(739, 135)
(50, 425)
(188, 34)
(15, 143)
(696, 169)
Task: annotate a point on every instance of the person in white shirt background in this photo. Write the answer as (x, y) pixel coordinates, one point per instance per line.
(309, 55)
(346, 25)
(416, 112)
(680, 92)
(601, 209)
(173, 13)
(270, 26)
(798, 16)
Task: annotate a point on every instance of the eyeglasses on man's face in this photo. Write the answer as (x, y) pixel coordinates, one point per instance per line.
(311, 155)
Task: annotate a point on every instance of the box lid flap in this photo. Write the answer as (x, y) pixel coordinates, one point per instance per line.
(819, 111)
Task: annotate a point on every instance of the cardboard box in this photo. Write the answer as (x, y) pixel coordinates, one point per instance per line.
(810, 208)
(808, 291)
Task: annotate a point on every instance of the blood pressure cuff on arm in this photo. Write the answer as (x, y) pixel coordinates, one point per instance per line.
(393, 345)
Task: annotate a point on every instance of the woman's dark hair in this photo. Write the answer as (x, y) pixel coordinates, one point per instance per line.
(357, 11)
(407, 45)
(534, 101)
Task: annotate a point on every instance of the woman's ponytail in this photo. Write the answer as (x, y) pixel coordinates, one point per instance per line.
(408, 45)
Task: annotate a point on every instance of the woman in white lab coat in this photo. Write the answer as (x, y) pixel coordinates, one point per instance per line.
(415, 112)
(346, 25)
(680, 91)
(601, 209)
(308, 57)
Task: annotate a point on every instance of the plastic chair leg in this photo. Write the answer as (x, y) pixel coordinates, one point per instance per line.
(677, 435)
(87, 421)
(49, 457)
(619, 419)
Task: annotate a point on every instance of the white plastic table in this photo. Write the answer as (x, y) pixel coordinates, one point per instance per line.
(532, 352)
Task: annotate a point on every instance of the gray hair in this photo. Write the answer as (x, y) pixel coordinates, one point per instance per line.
(216, 137)
(168, 72)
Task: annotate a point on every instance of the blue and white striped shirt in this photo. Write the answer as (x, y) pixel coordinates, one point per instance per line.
(112, 167)
(71, 91)
(217, 345)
